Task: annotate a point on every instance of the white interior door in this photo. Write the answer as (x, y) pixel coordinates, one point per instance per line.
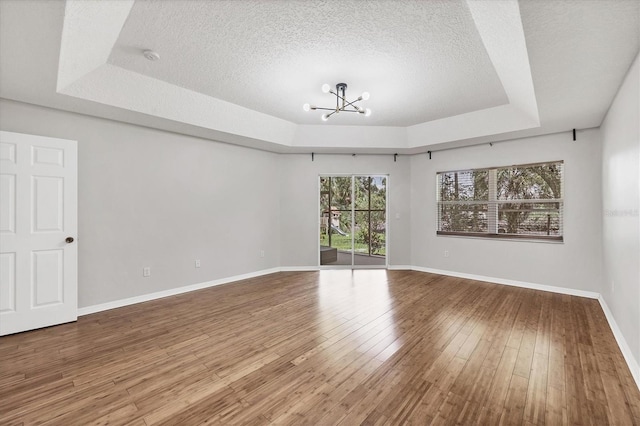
(38, 228)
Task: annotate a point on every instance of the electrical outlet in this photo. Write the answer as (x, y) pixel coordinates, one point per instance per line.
(197, 263)
(146, 271)
(446, 253)
(261, 253)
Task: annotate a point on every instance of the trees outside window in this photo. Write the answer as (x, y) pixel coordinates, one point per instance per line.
(358, 198)
(523, 201)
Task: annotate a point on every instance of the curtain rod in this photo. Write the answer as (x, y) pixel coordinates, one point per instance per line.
(573, 131)
(430, 152)
(314, 154)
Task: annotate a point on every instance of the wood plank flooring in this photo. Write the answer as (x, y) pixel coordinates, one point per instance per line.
(325, 348)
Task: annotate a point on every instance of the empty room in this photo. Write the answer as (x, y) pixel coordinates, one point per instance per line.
(337, 212)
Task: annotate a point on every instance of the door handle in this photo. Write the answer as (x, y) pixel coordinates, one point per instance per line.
(69, 239)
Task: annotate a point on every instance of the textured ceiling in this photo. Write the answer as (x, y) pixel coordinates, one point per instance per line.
(273, 56)
(558, 64)
(579, 52)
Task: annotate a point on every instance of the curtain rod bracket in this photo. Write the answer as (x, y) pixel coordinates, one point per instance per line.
(429, 152)
(574, 134)
(312, 156)
(395, 157)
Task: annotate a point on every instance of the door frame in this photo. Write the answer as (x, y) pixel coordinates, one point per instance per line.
(353, 218)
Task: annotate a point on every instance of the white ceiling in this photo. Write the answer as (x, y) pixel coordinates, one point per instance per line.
(440, 73)
(273, 56)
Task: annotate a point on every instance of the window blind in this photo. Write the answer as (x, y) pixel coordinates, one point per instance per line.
(521, 201)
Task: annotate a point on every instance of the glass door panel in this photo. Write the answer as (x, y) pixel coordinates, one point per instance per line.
(370, 214)
(336, 218)
(353, 220)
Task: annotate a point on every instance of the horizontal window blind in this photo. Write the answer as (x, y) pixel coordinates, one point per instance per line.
(522, 201)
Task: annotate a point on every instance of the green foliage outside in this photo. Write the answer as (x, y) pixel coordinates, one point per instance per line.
(470, 190)
(369, 199)
(530, 182)
(344, 243)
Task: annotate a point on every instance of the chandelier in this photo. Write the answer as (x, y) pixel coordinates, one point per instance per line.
(342, 104)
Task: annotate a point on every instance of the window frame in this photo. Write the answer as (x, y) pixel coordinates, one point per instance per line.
(493, 204)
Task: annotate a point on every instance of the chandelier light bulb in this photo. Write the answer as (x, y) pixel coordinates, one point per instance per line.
(367, 112)
(365, 96)
(306, 107)
(325, 117)
(326, 88)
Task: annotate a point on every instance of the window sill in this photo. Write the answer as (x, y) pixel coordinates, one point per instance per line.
(503, 237)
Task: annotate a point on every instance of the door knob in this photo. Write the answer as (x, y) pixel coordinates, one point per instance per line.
(69, 239)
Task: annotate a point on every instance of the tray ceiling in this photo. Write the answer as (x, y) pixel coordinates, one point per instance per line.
(440, 73)
(272, 57)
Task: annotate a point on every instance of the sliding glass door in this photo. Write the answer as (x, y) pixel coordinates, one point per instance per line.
(370, 220)
(353, 225)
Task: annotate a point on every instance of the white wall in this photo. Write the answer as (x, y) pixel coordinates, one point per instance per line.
(576, 263)
(158, 199)
(621, 204)
(299, 213)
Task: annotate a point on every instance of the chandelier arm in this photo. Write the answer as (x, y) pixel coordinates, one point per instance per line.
(337, 102)
(334, 110)
(340, 97)
(352, 103)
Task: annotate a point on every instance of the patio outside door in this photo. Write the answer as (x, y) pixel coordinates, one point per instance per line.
(353, 221)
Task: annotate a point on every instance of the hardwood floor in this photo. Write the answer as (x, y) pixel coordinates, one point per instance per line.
(323, 348)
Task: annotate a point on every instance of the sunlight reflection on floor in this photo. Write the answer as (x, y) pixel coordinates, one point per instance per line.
(360, 303)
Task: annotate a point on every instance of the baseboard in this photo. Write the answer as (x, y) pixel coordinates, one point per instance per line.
(400, 268)
(317, 268)
(298, 268)
(523, 284)
(622, 343)
(171, 292)
(179, 290)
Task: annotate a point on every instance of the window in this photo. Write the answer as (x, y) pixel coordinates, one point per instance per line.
(523, 201)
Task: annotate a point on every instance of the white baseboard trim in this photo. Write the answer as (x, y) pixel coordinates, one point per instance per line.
(318, 268)
(632, 363)
(299, 268)
(400, 268)
(171, 292)
(179, 290)
(523, 284)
